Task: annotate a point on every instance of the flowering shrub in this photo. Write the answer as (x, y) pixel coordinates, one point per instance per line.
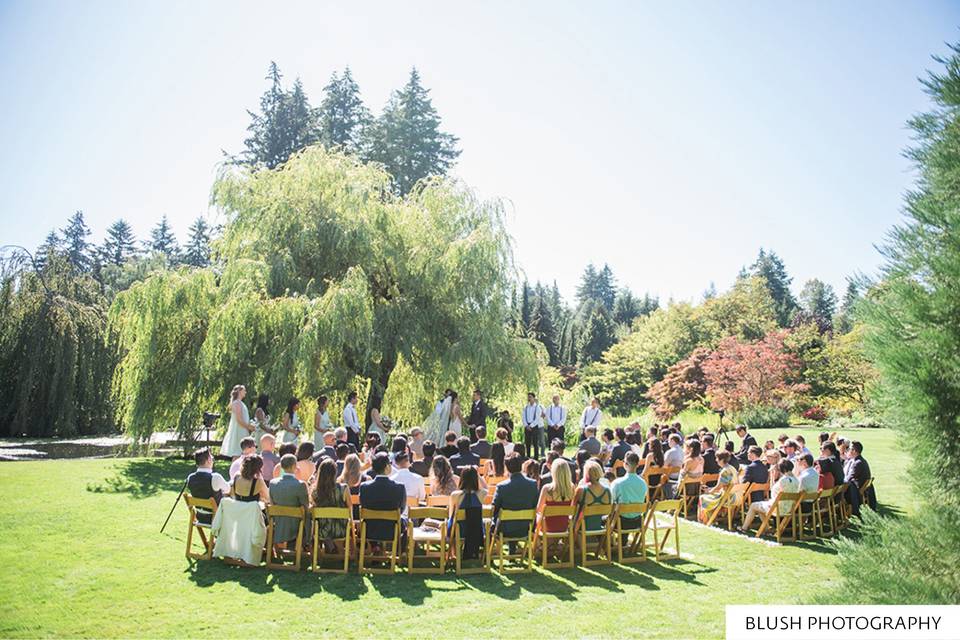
(817, 414)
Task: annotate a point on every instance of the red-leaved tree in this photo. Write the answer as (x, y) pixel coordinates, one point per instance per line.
(683, 385)
(752, 374)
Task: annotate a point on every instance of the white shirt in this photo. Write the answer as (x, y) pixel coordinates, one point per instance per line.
(556, 416)
(809, 480)
(217, 481)
(533, 415)
(350, 419)
(673, 457)
(590, 418)
(413, 483)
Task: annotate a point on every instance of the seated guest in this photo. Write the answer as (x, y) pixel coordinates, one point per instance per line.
(830, 465)
(807, 474)
(481, 448)
(305, 466)
(520, 450)
(343, 451)
(412, 482)
(782, 439)
(422, 466)
(746, 442)
(248, 484)
(352, 477)
(582, 456)
(517, 493)
(369, 473)
(690, 471)
(756, 472)
(204, 483)
(503, 437)
(288, 491)
(791, 449)
(287, 448)
(590, 444)
(545, 477)
(450, 448)
(787, 483)
(629, 488)
(496, 468)
(341, 436)
(399, 444)
(248, 447)
(591, 492)
(469, 497)
(673, 457)
(712, 498)
(416, 442)
(857, 474)
(728, 446)
(329, 493)
(620, 449)
(270, 458)
(769, 445)
(823, 437)
(606, 445)
(530, 467)
(653, 460)
(559, 492)
(709, 455)
(802, 444)
(382, 494)
(464, 457)
(442, 480)
(558, 447)
(505, 422)
(328, 450)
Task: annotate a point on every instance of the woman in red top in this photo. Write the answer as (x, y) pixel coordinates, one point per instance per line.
(558, 492)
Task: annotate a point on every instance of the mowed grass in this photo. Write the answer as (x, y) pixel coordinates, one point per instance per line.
(82, 553)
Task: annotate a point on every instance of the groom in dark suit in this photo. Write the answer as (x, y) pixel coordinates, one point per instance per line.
(478, 414)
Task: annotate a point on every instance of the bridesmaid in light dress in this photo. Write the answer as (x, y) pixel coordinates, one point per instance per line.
(240, 425)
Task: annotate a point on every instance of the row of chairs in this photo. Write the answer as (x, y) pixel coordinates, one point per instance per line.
(436, 547)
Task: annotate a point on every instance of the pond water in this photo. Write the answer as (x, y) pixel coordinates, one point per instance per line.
(87, 447)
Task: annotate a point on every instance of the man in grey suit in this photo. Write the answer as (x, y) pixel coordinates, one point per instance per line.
(516, 493)
(287, 491)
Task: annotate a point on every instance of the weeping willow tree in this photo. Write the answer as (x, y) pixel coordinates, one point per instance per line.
(55, 360)
(325, 283)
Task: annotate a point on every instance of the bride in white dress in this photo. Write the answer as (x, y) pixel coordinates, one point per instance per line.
(438, 423)
(240, 425)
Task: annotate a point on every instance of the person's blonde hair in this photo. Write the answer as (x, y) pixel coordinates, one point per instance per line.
(592, 471)
(351, 470)
(561, 484)
(235, 392)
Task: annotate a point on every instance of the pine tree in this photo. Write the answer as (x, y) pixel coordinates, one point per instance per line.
(587, 289)
(119, 245)
(542, 327)
(196, 252)
(51, 245)
(75, 244)
(526, 305)
(163, 241)
(286, 124)
(844, 318)
(770, 267)
(818, 303)
(342, 115)
(406, 139)
(596, 335)
(606, 287)
(626, 307)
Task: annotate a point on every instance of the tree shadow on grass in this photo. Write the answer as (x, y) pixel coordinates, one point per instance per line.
(143, 478)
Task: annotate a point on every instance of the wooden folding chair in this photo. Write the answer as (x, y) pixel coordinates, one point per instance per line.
(840, 506)
(438, 501)
(863, 492)
(524, 544)
(432, 541)
(457, 548)
(689, 494)
(781, 521)
(348, 540)
(602, 535)
(809, 501)
(621, 536)
(825, 514)
(708, 480)
(665, 480)
(208, 505)
(413, 501)
(391, 548)
(543, 537)
(274, 512)
(758, 486)
(654, 491)
(730, 500)
(616, 467)
(664, 517)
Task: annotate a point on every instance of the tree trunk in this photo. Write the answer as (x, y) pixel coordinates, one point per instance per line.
(378, 385)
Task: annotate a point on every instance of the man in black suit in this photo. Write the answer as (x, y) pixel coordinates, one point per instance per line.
(450, 448)
(858, 472)
(422, 467)
(478, 416)
(516, 493)
(746, 442)
(756, 471)
(709, 455)
(464, 457)
(481, 448)
(620, 450)
(382, 494)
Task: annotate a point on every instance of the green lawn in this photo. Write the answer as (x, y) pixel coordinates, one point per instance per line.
(83, 556)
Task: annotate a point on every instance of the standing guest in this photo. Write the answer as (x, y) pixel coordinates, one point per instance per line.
(382, 494)
(517, 493)
(480, 447)
(288, 491)
(505, 422)
(709, 454)
(556, 420)
(469, 497)
(290, 424)
(305, 465)
(240, 425)
(351, 421)
(496, 468)
(412, 482)
(321, 422)
(329, 493)
(422, 466)
(478, 417)
(248, 484)
(504, 438)
(558, 492)
(857, 474)
(591, 492)
(590, 417)
(449, 448)
(756, 472)
(464, 457)
(442, 480)
(377, 425)
(746, 441)
(262, 417)
(248, 447)
(205, 483)
(589, 443)
(629, 488)
(532, 417)
(416, 442)
(270, 459)
(787, 483)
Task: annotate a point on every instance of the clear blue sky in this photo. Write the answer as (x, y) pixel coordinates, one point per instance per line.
(669, 139)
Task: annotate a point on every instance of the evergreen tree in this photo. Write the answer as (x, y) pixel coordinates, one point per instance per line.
(626, 307)
(844, 319)
(526, 306)
(596, 335)
(163, 241)
(770, 267)
(587, 289)
(606, 287)
(342, 115)
(406, 139)
(649, 304)
(50, 246)
(541, 326)
(196, 252)
(818, 303)
(119, 244)
(711, 291)
(75, 244)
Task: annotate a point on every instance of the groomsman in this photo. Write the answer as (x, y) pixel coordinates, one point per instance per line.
(533, 427)
(556, 421)
(591, 417)
(478, 415)
(351, 421)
